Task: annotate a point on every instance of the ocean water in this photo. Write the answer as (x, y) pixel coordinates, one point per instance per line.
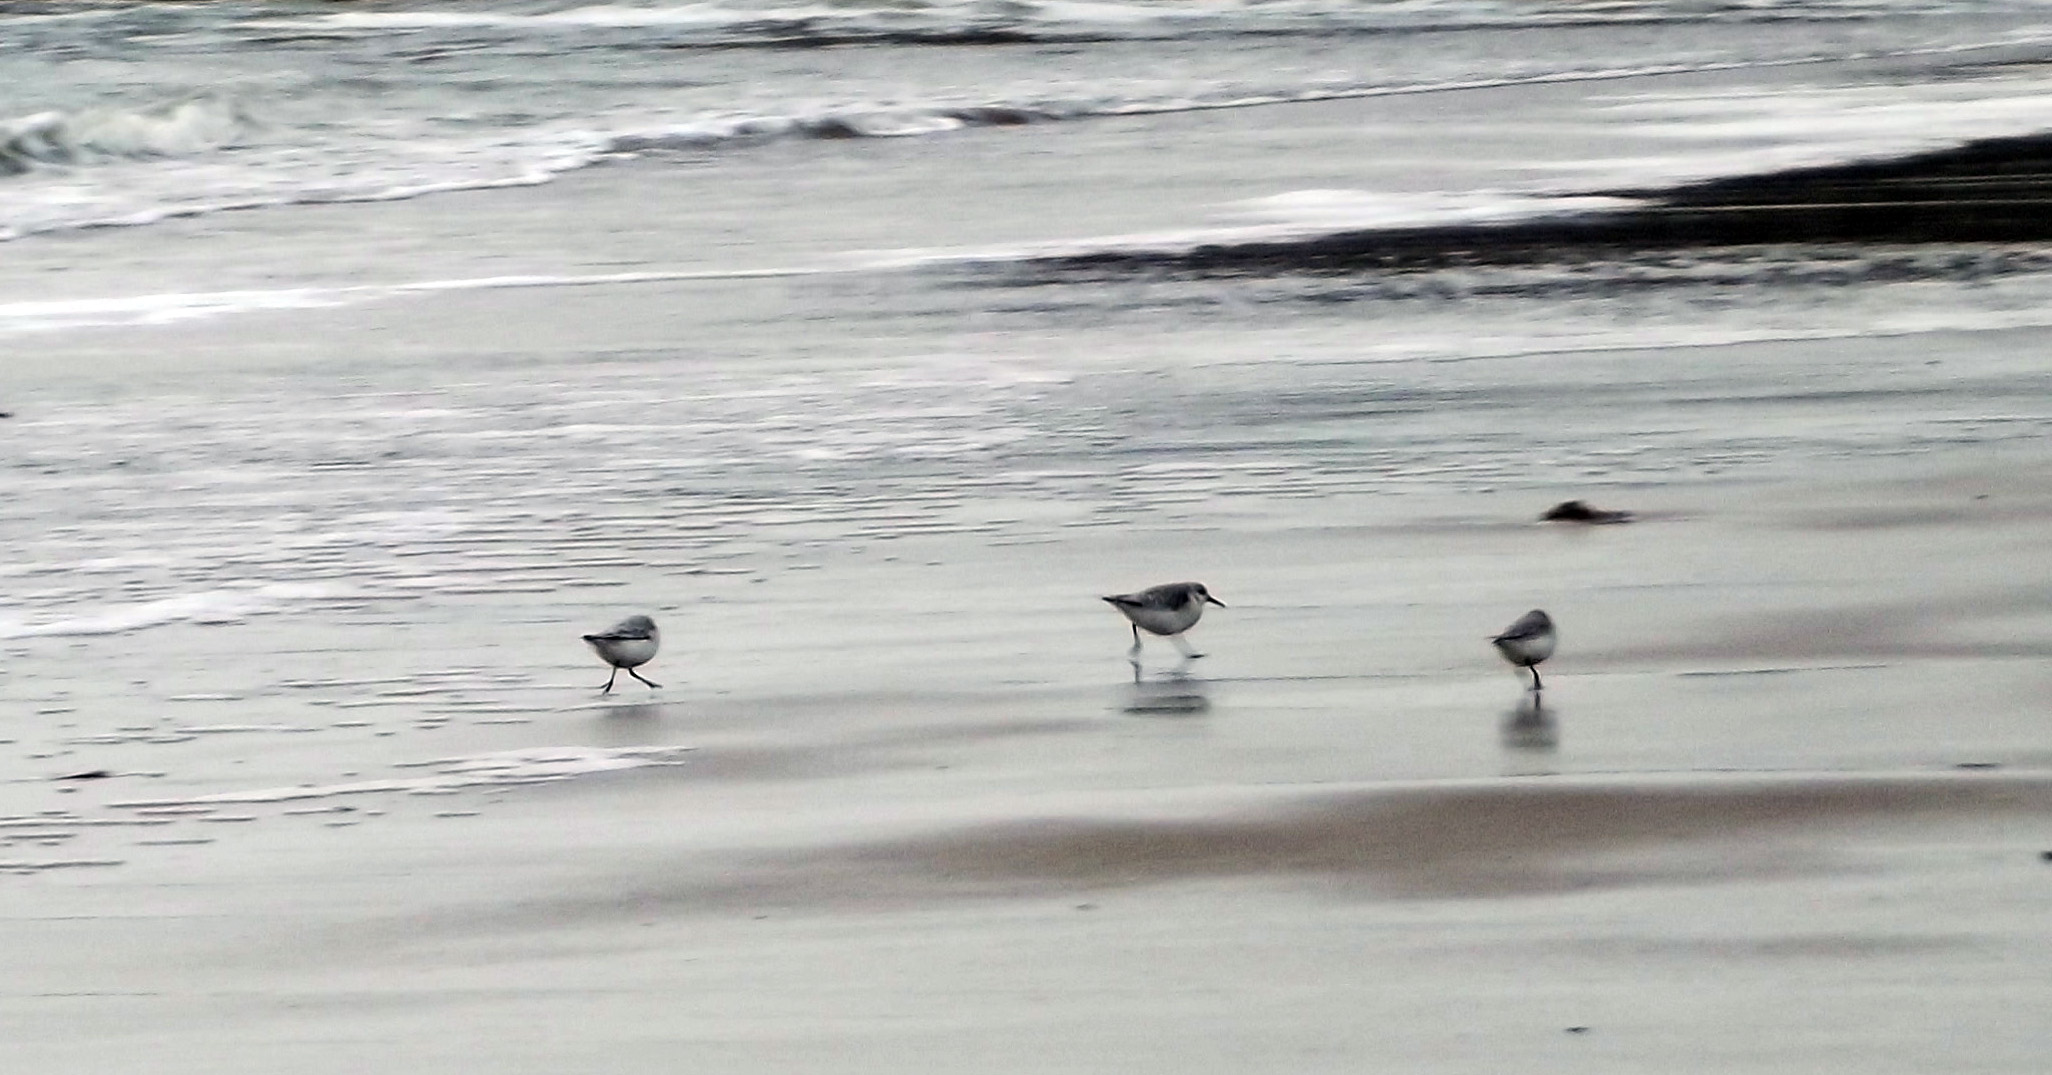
(357, 358)
(124, 114)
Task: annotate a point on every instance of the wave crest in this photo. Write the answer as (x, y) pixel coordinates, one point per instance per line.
(855, 122)
(801, 23)
(69, 139)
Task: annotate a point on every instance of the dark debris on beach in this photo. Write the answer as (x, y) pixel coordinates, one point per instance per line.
(1581, 511)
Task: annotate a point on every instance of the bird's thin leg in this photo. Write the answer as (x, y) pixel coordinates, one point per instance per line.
(637, 675)
(1536, 685)
(1135, 651)
(1188, 653)
(608, 688)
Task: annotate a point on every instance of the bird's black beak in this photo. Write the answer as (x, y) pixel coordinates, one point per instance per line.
(1214, 600)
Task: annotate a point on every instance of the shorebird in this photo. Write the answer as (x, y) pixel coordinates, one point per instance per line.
(1527, 642)
(1168, 609)
(628, 644)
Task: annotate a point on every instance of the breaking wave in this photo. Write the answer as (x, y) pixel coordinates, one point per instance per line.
(809, 23)
(70, 139)
(325, 160)
(414, 102)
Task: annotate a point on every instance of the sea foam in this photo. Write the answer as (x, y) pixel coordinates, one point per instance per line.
(531, 765)
(215, 606)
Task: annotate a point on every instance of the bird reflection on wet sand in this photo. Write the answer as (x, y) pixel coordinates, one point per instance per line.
(637, 712)
(1172, 693)
(1531, 727)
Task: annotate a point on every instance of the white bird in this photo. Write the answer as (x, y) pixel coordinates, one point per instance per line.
(628, 644)
(1527, 642)
(1168, 609)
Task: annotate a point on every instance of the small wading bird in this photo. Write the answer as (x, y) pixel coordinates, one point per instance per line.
(1527, 642)
(628, 644)
(1168, 610)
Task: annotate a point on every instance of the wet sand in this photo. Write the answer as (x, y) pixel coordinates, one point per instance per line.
(314, 777)
(1794, 823)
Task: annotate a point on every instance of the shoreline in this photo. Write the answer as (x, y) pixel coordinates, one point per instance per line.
(313, 775)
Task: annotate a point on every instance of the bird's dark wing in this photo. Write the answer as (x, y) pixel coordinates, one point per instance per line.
(1168, 595)
(618, 635)
(1530, 625)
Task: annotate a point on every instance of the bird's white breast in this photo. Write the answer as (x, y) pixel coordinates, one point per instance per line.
(1166, 621)
(626, 652)
(1527, 650)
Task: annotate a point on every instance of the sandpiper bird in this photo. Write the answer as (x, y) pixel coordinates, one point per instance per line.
(1168, 609)
(1527, 642)
(628, 644)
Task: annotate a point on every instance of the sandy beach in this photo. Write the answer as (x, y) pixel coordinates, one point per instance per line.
(1786, 809)
(303, 767)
